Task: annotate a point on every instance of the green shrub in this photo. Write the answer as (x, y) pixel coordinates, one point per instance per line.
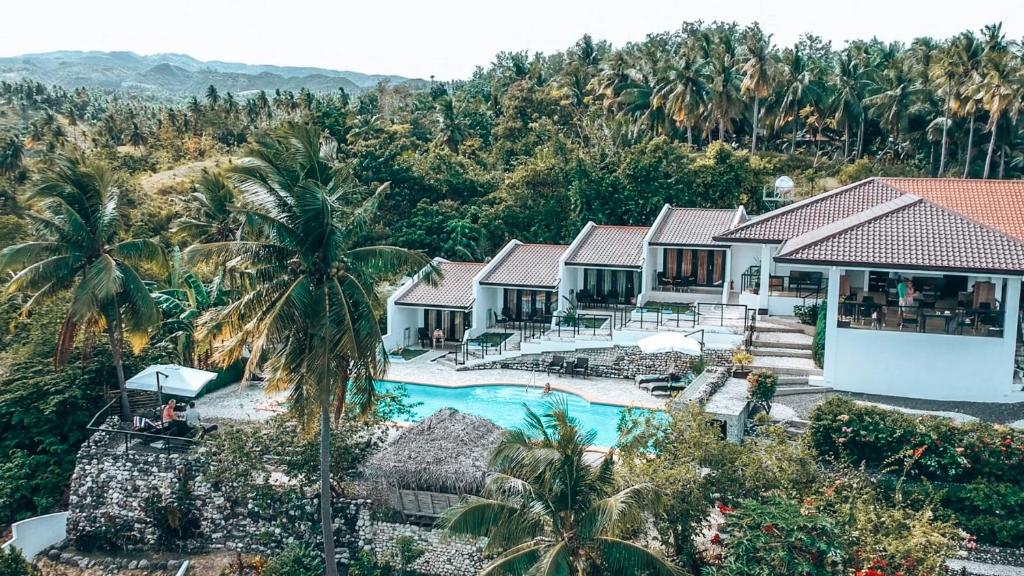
(12, 563)
(778, 536)
(807, 314)
(934, 448)
(818, 344)
(991, 511)
(177, 519)
(295, 560)
(761, 386)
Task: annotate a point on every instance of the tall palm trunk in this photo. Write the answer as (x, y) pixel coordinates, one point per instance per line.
(860, 137)
(753, 141)
(1002, 161)
(796, 121)
(970, 143)
(326, 513)
(115, 337)
(846, 140)
(721, 129)
(689, 133)
(991, 147)
(945, 127)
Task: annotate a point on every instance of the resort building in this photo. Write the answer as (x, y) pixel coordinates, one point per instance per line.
(422, 305)
(682, 260)
(519, 284)
(602, 267)
(922, 278)
(956, 245)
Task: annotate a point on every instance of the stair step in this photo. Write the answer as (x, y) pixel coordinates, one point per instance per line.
(798, 390)
(785, 381)
(784, 340)
(777, 329)
(759, 351)
(786, 366)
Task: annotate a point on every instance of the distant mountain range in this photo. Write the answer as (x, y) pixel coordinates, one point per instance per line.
(177, 75)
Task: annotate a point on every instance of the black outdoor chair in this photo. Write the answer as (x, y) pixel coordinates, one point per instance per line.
(556, 365)
(909, 316)
(424, 336)
(581, 367)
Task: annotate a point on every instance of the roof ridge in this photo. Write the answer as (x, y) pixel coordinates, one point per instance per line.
(851, 222)
(804, 202)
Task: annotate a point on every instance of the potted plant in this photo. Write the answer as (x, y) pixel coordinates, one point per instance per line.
(740, 359)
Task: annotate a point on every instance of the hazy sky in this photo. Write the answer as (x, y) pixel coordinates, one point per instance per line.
(448, 38)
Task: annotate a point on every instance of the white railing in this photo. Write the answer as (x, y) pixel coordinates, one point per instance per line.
(34, 535)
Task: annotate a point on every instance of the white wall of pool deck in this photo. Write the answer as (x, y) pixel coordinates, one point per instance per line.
(917, 365)
(34, 535)
(400, 318)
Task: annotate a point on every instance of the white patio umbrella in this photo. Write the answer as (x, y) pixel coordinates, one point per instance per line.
(171, 379)
(670, 342)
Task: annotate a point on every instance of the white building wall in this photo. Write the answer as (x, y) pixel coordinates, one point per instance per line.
(488, 302)
(403, 322)
(569, 284)
(916, 365)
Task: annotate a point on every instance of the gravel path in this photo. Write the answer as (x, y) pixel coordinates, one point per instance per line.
(987, 411)
(801, 404)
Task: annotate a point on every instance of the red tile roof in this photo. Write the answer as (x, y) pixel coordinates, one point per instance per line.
(610, 247)
(454, 290)
(806, 215)
(527, 265)
(998, 204)
(908, 233)
(692, 226)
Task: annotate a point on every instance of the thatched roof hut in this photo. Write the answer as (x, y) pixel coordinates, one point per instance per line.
(446, 453)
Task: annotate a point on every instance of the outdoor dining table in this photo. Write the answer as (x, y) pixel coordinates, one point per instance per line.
(947, 315)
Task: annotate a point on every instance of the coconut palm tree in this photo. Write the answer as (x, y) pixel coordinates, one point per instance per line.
(79, 249)
(848, 79)
(757, 73)
(12, 155)
(213, 218)
(895, 94)
(725, 102)
(684, 90)
(797, 81)
(1000, 88)
(182, 301)
(546, 510)
(311, 316)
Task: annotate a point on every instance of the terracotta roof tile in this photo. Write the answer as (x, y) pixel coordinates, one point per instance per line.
(912, 233)
(692, 226)
(998, 204)
(531, 265)
(455, 289)
(806, 215)
(610, 246)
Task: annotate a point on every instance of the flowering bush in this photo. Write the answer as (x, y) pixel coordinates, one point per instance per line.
(935, 448)
(761, 385)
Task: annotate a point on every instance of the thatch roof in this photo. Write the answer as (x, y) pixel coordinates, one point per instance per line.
(447, 452)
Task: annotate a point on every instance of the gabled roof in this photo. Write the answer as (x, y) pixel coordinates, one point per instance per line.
(801, 217)
(609, 247)
(998, 204)
(526, 265)
(454, 289)
(908, 233)
(694, 226)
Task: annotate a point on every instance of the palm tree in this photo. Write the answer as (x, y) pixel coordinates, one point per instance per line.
(966, 51)
(546, 510)
(999, 88)
(725, 102)
(848, 78)
(79, 249)
(944, 72)
(12, 155)
(756, 73)
(213, 210)
(895, 94)
(311, 315)
(684, 89)
(797, 80)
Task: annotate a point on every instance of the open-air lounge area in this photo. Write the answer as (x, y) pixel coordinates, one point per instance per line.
(684, 269)
(947, 304)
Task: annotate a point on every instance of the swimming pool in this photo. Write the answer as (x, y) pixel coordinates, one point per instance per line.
(503, 405)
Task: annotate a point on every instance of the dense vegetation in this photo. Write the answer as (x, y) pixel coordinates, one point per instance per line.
(529, 147)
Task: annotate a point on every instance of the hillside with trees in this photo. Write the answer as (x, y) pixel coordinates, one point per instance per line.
(532, 146)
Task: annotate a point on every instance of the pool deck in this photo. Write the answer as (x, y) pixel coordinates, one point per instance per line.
(252, 403)
(594, 390)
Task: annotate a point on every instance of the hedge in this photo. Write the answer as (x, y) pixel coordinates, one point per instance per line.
(937, 449)
(818, 344)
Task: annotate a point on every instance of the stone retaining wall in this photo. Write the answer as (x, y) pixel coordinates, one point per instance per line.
(615, 362)
(110, 487)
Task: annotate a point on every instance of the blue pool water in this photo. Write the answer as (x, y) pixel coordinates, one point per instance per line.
(503, 405)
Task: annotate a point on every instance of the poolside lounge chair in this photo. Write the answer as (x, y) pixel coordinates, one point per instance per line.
(556, 365)
(581, 366)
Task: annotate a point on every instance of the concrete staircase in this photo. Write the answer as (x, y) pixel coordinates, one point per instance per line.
(784, 347)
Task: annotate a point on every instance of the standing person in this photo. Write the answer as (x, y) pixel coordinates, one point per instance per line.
(911, 294)
(901, 289)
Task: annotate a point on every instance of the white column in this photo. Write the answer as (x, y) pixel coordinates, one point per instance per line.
(832, 325)
(766, 270)
(726, 277)
(1011, 312)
